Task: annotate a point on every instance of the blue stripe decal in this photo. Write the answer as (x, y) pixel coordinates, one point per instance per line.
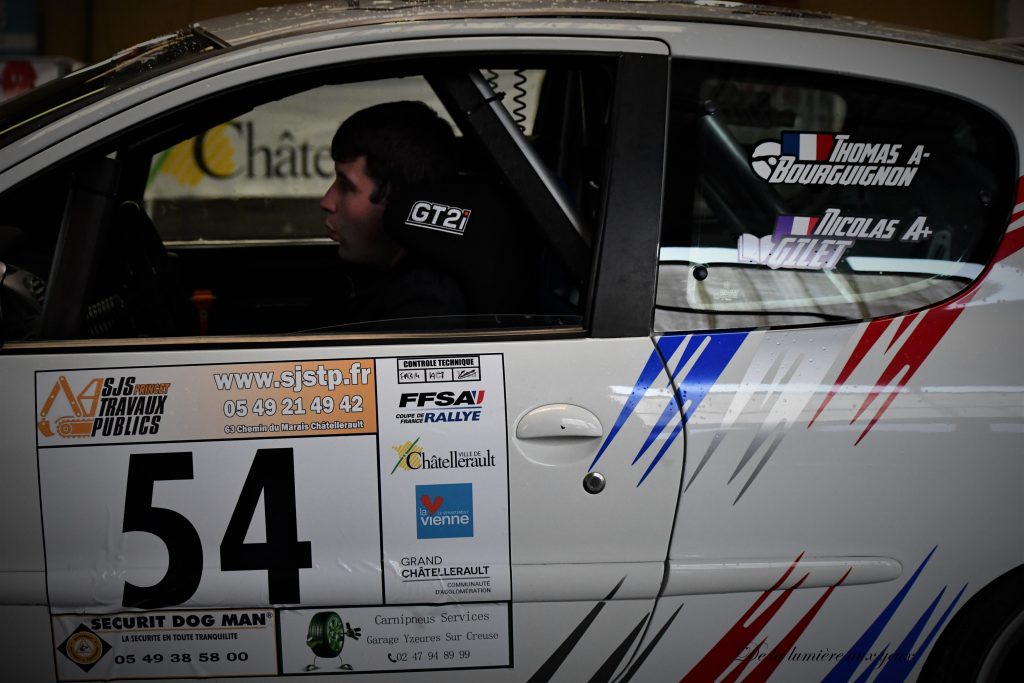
(710, 355)
(664, 448)
(709, 366)
(863, 678)
(653, 367)
(898, 668)
(688, 351)
(671, 409)
(845, 668)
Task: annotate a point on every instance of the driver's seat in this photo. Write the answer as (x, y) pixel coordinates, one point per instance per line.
(157, 302)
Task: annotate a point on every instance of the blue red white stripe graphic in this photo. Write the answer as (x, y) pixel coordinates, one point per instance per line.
(703, 358)
(754, 621)
(902, 661)
(918, 343)
(808, 146)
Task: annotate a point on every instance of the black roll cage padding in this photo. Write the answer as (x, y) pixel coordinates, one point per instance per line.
(471, 102)
(622, 298)
(730, 177)
(3, 274)
(89, 205)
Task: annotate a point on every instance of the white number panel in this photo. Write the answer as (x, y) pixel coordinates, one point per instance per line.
(259, 519)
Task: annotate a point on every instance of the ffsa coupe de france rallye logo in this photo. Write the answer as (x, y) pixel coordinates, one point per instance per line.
(828, 159)
(106, 406)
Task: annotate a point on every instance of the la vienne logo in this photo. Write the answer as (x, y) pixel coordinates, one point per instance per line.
(106, 406)
(444, 511)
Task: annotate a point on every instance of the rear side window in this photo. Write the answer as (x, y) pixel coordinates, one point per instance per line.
(796, 198)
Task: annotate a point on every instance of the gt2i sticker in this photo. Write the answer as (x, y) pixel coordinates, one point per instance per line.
(830, 159)
(819, 243)
(434, 216)
(254, 485)
(367, 639)
(166, 644)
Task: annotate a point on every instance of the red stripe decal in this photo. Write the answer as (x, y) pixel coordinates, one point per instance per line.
(871, 334)
(768, 665)
(912, 354)
(904, 324)
(1013, 241)
(739, 637)
(1011, 244)
(922, 341)
(734, 675)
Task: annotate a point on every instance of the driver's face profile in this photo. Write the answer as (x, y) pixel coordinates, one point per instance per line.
(352, 220)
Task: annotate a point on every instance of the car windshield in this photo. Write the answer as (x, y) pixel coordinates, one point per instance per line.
(38, 107)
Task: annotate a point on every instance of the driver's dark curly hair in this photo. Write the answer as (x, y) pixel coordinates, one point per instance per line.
(405, 143)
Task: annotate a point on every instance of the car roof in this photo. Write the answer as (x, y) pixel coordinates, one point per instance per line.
(36, 108)
(273, 22)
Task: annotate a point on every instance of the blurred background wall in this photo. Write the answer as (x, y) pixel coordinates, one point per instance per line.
(89, 30)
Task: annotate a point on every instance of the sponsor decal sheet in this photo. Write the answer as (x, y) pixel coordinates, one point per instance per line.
(265, 519)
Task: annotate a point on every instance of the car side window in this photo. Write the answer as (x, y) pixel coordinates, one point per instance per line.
(209, 220)
(812, 198)
(273, 162)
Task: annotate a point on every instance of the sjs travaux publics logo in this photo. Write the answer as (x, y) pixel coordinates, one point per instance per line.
(106, 406)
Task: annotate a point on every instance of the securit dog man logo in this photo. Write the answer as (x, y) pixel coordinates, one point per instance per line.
(106, 406)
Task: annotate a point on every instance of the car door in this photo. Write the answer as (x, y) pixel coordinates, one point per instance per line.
(350, 501)
(835, 250)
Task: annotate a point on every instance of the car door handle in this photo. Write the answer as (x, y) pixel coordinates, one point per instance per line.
(559, 420)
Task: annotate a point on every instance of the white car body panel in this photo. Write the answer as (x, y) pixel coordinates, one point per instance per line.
(775, 499)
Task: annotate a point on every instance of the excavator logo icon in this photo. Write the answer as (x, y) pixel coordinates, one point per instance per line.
(83, 406)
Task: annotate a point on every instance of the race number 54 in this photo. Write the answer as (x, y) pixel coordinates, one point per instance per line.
(272, 474)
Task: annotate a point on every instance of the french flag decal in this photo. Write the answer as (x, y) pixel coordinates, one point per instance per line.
(793, 225)
(807, 146)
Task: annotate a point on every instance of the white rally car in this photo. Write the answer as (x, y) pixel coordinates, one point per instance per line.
(738, 393)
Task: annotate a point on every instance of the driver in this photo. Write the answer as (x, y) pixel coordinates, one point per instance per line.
(378, 152)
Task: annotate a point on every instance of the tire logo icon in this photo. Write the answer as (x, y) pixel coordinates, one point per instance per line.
(326, 638)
